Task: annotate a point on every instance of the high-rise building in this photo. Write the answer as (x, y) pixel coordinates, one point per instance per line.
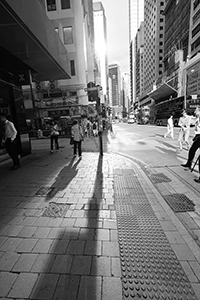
(139, 62)
(133, 26)
(73, 22)
(115, 76)
(126, 91)
(191, 86)
(194, 40)
(153, 42)
(176, 40)
(100, 34)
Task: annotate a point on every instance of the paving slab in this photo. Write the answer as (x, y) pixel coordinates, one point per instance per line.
(78, 256)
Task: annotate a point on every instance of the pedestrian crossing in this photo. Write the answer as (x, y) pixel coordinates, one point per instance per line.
(117, 138)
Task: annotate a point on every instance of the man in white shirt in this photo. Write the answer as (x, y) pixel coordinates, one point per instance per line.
(10, 140)
(170, 127)
(184, 132)
(196, 140)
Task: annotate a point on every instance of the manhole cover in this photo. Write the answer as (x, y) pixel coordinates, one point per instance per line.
(55, 210)
(44, 191)
(159, 178)
(179, 202)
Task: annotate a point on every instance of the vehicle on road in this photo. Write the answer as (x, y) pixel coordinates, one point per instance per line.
(173, 106)
(131, 119)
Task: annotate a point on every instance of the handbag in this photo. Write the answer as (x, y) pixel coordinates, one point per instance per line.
(71, 140)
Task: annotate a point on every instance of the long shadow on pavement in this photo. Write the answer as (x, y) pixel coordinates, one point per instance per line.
(64, 178)
(70, 270)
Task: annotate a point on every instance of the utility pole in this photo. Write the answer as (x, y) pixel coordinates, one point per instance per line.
(93, 95)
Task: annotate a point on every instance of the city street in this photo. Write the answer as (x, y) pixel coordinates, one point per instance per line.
(101, 227)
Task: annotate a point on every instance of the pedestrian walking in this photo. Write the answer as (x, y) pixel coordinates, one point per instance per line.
(170, 127)
(184, 132)
(54, 133)
(77, 135)
(196, 141)
(94, 128)
(9, 137)
(89, 129)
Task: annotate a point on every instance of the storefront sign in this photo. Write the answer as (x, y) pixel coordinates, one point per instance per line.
(22, 78)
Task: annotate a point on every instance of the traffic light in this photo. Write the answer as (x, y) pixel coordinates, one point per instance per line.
(92, 95)
(109, 110)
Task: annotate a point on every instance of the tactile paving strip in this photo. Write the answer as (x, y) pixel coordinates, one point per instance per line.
(179, 202)
(159, 178)
(150, 268)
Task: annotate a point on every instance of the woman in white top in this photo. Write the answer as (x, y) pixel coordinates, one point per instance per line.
(170, 127)
(184, 132)
(77, 134)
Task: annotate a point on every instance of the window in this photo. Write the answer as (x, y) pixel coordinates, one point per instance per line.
(65, 4)
(72, 67)
(51, 5)
(68, 36)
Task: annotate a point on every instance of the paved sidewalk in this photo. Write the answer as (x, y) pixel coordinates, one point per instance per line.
(61, 233)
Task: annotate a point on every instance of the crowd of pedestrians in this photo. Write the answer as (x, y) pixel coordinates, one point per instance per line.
(183, 137)
(90, 128)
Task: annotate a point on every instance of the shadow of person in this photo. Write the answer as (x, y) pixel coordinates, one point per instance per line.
(71, 269)
(63, 179)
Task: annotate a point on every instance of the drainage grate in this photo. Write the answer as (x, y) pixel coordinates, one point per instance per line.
(179, 202)
(150, 268)
(44, 191)
(55, 210)
(159, 178)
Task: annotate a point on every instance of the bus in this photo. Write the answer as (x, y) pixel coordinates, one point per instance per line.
(164, 109)
(143, 115)
(174, 106)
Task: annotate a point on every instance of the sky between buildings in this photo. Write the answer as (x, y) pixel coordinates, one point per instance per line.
(117, 14)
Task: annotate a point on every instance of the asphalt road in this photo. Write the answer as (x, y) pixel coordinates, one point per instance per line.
(147, 144)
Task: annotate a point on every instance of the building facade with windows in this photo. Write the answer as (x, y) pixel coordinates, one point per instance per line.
(139, 62)
(65, 99)
(153, 42)
(194, 33)
(73, 22)
(177, 23)
(126, 92)
(114, 74)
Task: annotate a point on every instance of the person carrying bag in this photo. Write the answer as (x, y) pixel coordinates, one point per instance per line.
(77, 135)
(54, 133)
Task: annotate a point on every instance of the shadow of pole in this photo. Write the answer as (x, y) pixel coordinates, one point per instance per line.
(64, 178)
(69, 271)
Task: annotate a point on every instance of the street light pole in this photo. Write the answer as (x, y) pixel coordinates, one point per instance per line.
(100, 129)
(93, 95)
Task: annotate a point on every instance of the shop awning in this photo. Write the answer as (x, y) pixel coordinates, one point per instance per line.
(163, 92)
(28, 34)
